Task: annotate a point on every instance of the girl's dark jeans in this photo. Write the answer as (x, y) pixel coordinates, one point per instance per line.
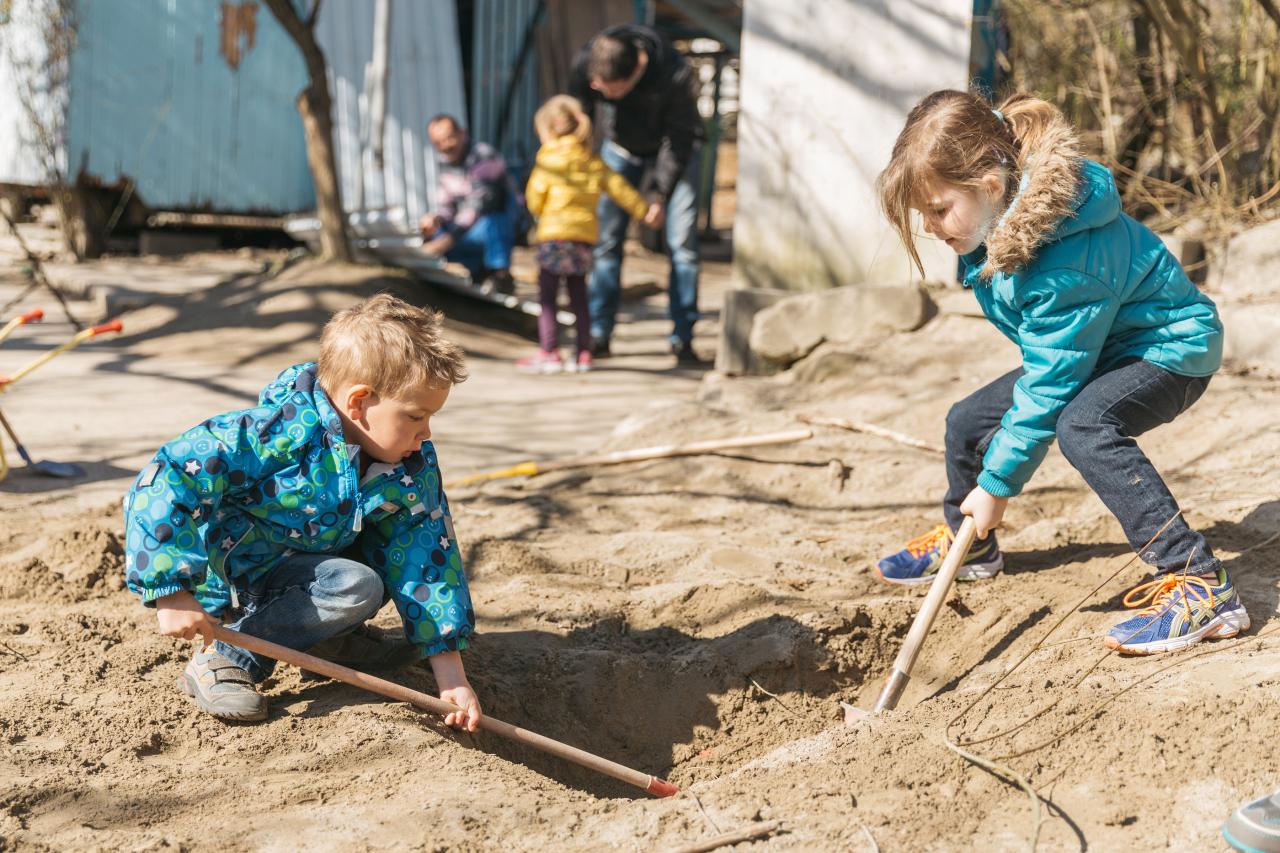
(1096, 433)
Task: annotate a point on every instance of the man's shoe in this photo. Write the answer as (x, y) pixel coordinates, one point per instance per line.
(687, 356)
(1183, 610)
(600, 348)
(222, 688)
(502, 282)
(920, 561)
(1255, 826)
(367, 647)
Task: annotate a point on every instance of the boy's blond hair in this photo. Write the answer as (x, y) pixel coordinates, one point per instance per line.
(389, 345)
(562, 115)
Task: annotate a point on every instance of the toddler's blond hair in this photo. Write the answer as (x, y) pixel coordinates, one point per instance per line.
(562, 115)
(389, 345)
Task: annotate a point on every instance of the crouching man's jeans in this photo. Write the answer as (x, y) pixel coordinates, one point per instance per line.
(306, 599)
(1096, 433)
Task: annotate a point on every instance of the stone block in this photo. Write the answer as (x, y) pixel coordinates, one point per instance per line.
(793, 327)
(1249, 266)
(734, 356)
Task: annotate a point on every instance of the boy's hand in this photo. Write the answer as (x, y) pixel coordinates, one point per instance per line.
(987, 510)
(655, 216)
(180, 615)
(454, 687)
(428, 224)
(465, 698)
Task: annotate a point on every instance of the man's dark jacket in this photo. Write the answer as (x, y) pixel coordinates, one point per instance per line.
(659, 117)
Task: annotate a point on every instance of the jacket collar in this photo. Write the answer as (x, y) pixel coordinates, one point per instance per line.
(1048, 189)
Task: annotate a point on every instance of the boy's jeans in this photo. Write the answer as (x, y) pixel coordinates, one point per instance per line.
(1096, 433)
(306, 599)
(605, 286)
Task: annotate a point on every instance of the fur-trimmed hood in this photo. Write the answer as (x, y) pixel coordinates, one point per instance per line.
(1049, 198)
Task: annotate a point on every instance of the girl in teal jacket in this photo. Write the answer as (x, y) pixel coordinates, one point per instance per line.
(1115, 341)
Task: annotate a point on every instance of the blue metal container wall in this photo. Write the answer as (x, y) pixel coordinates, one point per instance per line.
(424, 77)
(500, 28)
(154, 97)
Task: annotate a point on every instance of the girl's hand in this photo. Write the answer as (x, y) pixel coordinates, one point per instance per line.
(986, 509)
(464, 697)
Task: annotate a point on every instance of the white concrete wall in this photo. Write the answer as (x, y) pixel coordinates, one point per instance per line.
(826, 87)
(21, 55)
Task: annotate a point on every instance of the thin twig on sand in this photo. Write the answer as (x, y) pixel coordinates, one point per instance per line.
(738, 835)
(870, 429)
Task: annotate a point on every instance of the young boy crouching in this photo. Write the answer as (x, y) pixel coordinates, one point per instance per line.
(296, 520)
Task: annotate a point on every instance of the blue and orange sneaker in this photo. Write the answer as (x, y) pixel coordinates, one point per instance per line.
(919, 562)
(1183, 610)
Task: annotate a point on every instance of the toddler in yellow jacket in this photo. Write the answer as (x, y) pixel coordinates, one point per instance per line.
(564, 190)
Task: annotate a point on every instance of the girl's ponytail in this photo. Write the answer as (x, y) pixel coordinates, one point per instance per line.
(1030, 118)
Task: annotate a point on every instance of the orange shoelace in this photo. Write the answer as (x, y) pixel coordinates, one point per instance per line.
(940, 537)
(1162, 589)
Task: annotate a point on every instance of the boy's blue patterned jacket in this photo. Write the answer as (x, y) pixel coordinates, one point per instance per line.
(228, 500)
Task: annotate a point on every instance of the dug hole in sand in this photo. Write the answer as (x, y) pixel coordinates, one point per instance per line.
(697, 618)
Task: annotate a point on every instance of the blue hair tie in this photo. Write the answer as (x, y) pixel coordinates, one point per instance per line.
(998, 114)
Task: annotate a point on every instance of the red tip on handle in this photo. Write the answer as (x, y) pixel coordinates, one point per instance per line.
(661, 787)
(32, 316)
(113, 326)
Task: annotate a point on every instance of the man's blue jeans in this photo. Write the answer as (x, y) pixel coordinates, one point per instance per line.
(306, 599)
(605, 286)
(485, 246)
(1096, 433)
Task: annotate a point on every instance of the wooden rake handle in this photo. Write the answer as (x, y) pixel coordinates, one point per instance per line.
(652, 784)
(938, 590)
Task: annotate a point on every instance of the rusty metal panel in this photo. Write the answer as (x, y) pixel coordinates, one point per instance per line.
(424, 78)
(504, 90)
(191, 100)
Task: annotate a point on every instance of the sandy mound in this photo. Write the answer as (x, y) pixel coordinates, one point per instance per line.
(702, 619)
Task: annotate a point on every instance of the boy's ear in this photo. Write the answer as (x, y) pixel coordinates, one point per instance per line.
(359, 398)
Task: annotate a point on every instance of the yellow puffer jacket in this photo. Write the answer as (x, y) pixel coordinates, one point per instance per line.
(565, 187)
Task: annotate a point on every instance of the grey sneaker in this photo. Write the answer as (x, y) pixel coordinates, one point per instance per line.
(221, 688)
(1255, 827)
(366, 647)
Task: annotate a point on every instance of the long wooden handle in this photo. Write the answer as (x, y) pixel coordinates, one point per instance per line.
(640, 454)
(652, 784)
(906, 660)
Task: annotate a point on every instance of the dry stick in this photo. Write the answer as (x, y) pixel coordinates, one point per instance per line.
(774, 698)
(870, 429)
(642, 454)
(738, 835)
(705, 815)
(875, 848)
(652, 784)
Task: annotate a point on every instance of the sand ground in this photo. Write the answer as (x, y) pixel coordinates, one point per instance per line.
(698, 618)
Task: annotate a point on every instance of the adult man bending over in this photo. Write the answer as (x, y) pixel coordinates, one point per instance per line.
(651, 126)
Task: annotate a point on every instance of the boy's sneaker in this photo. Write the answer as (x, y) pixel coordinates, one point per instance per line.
(919, 562)
(222, 688)
(1255, 826)
(583, 364)
(1183, 610)
(543, 362)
